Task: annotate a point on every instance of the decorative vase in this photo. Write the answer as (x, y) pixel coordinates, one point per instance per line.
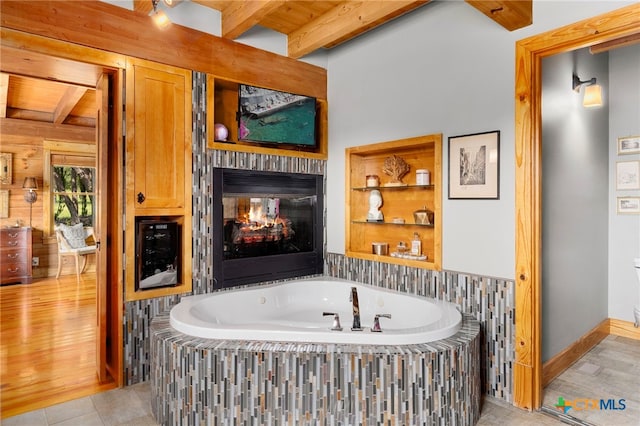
(220, 132)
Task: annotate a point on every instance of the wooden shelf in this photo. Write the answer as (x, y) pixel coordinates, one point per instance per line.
(222, 107)
(424, 152)
(430, 225)
(393, 188)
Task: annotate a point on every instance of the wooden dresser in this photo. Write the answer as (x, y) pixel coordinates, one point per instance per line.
(15, 255)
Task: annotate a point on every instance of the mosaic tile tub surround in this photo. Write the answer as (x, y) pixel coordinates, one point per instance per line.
(490, 301)
(231, 382)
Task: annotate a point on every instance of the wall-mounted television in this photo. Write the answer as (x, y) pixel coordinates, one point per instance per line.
(273, 117)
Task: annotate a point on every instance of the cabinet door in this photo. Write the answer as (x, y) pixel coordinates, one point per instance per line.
(160, 118)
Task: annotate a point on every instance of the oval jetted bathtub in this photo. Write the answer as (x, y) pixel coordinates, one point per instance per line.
(294, 312)
(265, 355)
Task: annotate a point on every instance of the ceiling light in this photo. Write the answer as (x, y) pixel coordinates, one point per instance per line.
(592, 92)
(159, 17)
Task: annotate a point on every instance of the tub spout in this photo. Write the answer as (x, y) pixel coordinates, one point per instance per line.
(356, 309)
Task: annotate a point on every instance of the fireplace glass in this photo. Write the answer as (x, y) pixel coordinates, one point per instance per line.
(267, 226)
(262, 226)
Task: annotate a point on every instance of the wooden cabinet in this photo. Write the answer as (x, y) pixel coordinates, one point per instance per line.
(15, 255)
(399, 202)
(161, 143)
(158, 162)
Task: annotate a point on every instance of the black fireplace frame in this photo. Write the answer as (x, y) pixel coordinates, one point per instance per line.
(235, 272)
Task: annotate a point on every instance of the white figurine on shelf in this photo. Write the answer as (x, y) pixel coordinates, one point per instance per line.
(375, 201)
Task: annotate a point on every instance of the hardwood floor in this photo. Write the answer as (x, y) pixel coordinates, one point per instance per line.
(47, 343)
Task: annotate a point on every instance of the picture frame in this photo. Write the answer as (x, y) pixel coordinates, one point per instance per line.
(627, 175)
(5, 168)
(474, 166)
(628, 205)
(629, 145)
(4, 203)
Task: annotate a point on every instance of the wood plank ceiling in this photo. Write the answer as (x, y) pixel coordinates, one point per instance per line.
(52, 90)
(311, 25)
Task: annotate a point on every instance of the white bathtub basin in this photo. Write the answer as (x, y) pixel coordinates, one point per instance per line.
(292, 312)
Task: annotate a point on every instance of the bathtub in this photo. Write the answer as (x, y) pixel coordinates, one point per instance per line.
(293, 312)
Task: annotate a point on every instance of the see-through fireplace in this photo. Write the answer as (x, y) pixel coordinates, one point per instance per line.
(267, 226)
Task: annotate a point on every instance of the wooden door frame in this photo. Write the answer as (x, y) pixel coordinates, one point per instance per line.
(112, 242)
(527, 372)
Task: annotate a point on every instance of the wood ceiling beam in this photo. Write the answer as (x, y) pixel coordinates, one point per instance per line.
(143, 7)
(240, 16)
(4, 93)
(511, 14)
(71, 96)
(344, 22)
(65, 132)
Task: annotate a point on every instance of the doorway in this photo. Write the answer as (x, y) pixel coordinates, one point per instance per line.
(616, 25)
(78, 69)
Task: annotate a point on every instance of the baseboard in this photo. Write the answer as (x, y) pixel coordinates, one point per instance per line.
(563, 360)
(623, 329)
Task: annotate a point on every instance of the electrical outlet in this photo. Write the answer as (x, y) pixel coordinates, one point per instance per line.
(35, 261)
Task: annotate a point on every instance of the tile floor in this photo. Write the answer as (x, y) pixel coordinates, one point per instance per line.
(130, 406)
(610, 370)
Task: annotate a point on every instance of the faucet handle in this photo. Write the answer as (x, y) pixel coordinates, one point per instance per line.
(376, 322)
(336, 320)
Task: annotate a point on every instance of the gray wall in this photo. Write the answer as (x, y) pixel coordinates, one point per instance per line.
(444, 68)
(624, 230)
(575, 168)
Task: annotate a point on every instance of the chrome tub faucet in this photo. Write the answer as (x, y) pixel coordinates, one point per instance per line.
(356, 309)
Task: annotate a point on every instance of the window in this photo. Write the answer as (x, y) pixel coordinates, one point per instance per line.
(72, 188)
(69, 185)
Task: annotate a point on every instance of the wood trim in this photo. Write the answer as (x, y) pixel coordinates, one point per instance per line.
(115, 29)
(567, 357)
(529, 53)
(623, 329)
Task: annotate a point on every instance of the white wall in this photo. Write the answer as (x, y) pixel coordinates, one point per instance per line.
(444, 68)
(624, 230)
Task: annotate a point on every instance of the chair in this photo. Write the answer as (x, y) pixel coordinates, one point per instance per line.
(72, 241)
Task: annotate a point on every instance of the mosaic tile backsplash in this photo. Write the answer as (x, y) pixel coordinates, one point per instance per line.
(491, 301)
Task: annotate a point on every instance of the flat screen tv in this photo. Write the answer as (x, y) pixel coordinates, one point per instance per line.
(276, 118)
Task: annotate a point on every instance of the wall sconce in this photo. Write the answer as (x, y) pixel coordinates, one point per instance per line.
(592, 92)
(172, 3)
(160, 18)
(30, 184)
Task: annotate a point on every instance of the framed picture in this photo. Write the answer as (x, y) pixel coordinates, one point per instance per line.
(4, 203)
(629, 145)
(628, 205)
(474, 165)
(627, 175)
(5, 168)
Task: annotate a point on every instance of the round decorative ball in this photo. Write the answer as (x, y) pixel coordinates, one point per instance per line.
(220, 132)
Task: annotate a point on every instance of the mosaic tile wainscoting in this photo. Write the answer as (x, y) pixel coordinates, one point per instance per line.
(491, 301)
(235, 382)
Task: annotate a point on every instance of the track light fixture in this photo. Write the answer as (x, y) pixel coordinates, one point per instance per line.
(159, 17)
(592, 92)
